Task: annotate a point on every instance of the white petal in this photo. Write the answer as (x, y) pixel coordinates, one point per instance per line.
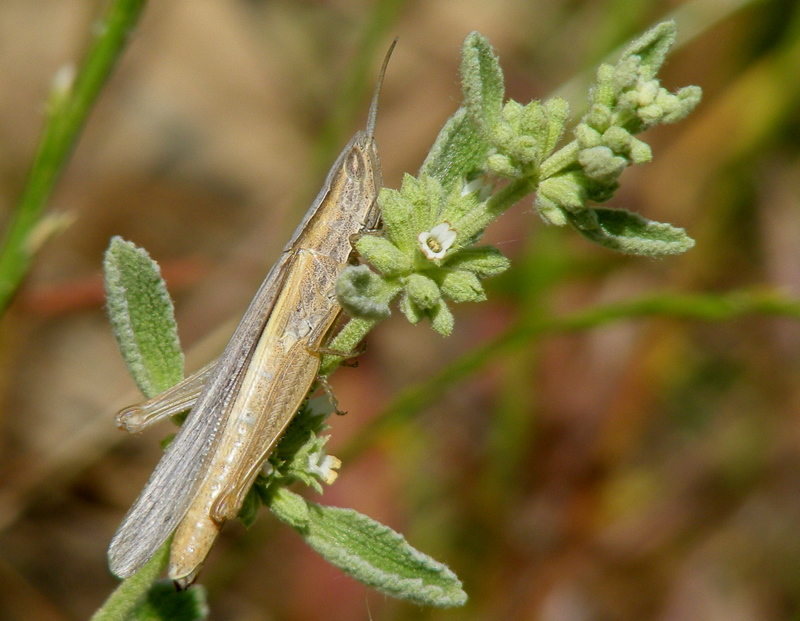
(444, 237)
(473, 186)
(440, 229)
(447, 238)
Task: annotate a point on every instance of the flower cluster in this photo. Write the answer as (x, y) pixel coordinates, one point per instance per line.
(424, 254)
(626, 99)
(491, 154)
(524, 136)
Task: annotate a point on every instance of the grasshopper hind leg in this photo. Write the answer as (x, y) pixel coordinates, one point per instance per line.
(173, 401)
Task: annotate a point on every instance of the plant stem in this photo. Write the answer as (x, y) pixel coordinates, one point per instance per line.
(380, 20)
(69, 107)
(700, 307)
(128, 595)
(557, 162)
(346, 340)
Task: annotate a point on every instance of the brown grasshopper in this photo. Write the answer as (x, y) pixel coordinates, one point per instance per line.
(241, 405)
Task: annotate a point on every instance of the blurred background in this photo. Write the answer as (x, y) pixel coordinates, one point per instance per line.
(636, 469)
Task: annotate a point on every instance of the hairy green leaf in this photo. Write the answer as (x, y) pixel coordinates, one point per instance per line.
(628, 232)
(482, 83)
(142, 317)
(458, 152)
(369, 551)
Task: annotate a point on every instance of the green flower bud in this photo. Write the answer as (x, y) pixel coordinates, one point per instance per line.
(442, 320)
(423, 291)
(603, 92)
(618, 140)
(512, 111)
(650, 115)
(462, 286)
(501, 165)
(566, 191)
(411, 311)
(550, 212)
(533, 121)
(683, 103)
(639, 152)
(504, 135)
(601, 164)
(599, 118)
(587, 136)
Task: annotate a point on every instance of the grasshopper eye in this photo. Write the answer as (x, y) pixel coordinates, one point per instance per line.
(354, 165)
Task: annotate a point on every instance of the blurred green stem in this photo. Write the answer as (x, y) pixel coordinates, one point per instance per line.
(68, 107)
(702, 307)
(132, 591)
(382, 17)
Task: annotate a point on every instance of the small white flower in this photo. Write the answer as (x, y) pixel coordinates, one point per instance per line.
(323, 466)
(437, 241)
(479, 186)
(473, 186)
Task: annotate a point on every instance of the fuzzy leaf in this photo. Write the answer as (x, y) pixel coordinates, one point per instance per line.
(142, 317)
(369, 551)
(364, 294)
(383, 255)
(483, 261)
(481, 83)
(458, 152)
(431, 211)
(652, 47)
(165, 603)
(623, 231)
(532, 120)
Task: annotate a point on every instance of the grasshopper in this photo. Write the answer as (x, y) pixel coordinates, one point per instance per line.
(242, 403)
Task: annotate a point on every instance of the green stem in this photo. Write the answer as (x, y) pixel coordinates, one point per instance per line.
(700, 307)
(478, 219)
(131, 592)
(346, 340)
(69, 107)
(507, 197)
(565, 156)
(383, 17)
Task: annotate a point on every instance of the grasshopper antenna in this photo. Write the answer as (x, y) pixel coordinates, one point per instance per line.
(373, 108)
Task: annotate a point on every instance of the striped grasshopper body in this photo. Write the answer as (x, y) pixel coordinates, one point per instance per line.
(243, 402)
